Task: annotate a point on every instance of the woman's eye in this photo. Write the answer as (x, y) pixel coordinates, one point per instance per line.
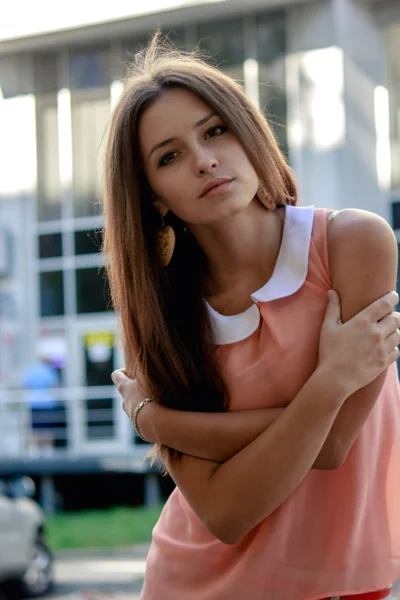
(167, 158)
(216, 130)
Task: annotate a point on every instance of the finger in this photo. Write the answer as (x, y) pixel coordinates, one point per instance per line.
(392, 340)
(333, 309)
(119, 378)
(394, 355)
(389, 324)
(380, 308)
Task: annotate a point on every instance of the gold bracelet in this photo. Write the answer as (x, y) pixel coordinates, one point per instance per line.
(135, 416)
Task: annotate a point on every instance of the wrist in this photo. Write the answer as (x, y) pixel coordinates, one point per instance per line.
(335, 387)
(145, 421)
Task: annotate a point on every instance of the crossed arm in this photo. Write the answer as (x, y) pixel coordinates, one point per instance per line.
(223, 454)
(363, 263)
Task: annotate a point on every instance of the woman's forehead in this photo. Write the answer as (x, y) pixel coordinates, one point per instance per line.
(178, 99)
(174, 111)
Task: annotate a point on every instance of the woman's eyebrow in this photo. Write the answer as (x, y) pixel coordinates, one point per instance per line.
(169, 140)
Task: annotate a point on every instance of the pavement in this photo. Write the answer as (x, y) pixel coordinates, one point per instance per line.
(109, 574)
(106, 574)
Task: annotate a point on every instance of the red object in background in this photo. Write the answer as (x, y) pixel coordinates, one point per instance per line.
(378, 595)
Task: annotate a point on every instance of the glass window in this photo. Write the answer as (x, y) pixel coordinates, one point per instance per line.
(50, 245)
(273, 99)
(271, 48)
(60, 426)
(393, 70)
(88, 242)
(224, 42)
(92, 289)
(99, 357)
(177, 37)
(131, 47)
(396, 215)
(89, 69)
(271, 38)
(99, 419)
(16, 75)
(51, 293)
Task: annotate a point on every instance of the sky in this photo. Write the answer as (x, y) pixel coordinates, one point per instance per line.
(25, 17)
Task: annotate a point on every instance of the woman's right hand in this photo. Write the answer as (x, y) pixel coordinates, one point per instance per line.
(133, 391)
(356, 352)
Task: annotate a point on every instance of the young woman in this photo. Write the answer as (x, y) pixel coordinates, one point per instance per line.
(274, 404)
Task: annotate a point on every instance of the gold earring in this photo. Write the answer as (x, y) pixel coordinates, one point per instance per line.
(166, 240)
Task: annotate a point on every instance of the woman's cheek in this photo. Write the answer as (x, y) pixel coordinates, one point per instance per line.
(173, 187)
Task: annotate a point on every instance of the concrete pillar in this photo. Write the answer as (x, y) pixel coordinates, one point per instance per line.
(48, 495)
(335, 75)
(152, 492)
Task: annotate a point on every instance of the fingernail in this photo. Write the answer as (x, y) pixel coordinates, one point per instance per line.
(115, 376)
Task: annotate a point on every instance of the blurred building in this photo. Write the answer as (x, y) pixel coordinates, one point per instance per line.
(327, 75)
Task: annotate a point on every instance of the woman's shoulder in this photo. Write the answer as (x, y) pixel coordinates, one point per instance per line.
(362, 254)
(358, 229)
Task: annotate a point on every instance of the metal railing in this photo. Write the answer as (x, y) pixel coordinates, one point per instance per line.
(85, 421)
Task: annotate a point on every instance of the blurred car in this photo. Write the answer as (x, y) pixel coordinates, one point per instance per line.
(26, 563)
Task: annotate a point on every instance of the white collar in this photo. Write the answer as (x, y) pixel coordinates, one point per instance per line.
(289, 274)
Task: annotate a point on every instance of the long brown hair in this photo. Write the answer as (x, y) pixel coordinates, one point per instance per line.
(166, 332)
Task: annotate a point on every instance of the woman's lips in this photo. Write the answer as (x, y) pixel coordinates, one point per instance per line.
(217, 190)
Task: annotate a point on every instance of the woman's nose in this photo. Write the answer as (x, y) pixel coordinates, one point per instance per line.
(205, 163)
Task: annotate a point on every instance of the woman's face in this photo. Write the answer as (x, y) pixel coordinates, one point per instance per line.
(186, 146)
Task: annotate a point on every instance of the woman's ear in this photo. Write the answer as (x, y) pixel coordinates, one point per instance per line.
(160, 206)
(263, 198)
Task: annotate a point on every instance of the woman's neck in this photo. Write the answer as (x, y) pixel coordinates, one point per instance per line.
(241, 250)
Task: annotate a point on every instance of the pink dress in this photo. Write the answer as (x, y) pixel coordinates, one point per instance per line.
(339, 532)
